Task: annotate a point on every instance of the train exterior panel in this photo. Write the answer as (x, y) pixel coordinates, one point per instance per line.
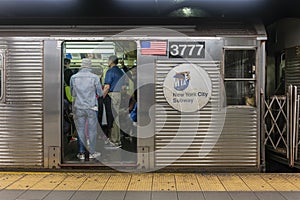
(22, 113)
(284, 54)
(222, 133)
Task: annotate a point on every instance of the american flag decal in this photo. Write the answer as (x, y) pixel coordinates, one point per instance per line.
(154, 47)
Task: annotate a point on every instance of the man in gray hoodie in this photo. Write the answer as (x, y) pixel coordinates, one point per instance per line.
(85, 86)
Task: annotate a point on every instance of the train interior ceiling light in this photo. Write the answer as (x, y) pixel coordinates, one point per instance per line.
(189, 12)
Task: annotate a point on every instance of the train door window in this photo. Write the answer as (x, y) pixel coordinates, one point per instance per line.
(1, 73)
(112, 149)
(239, 76)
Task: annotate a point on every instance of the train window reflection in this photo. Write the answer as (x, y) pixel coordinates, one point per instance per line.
(239, 77)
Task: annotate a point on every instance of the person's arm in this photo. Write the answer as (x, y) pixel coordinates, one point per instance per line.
(106, 90)
(107, 82)
(99, 91)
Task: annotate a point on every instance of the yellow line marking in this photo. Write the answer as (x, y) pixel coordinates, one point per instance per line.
(149, 181)
(7, 180)
(164, 182)
(95, 182)
(26, 182)
(164, 187)
(256, 183)
(279, 183)
(187, 182)
(210, 182)
(141, 182)
(28, 173)
(118, 182)
(71, 182)
(294, 179)
(49, 182)
(233, 183)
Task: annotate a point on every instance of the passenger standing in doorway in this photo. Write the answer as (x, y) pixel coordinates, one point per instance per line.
(67, 76)
(67, 71)
(112, 86)
(68, 120)
(84, 87)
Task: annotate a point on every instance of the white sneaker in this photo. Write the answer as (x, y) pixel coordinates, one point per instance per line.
(112, 145)
(108, 142)
(94, 155)
(118, 145)
(80, 156)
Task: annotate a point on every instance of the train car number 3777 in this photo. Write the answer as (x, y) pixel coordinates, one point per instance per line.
(186, 49)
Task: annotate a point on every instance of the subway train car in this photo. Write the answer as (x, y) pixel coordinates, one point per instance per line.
(282, 141)
(199, 90)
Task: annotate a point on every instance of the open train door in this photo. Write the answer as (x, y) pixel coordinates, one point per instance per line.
(116, 155)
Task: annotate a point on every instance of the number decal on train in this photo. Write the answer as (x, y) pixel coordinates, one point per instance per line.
(187, 49)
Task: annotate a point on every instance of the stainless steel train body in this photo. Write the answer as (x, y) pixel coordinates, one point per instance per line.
(282, 142)
(223, 133)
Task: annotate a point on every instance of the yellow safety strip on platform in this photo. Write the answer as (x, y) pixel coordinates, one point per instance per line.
(256, 183)
(141, 182)
(294, 179)
(210, 182)
(95, 182)
(164, 182)
(26, 173)
(118, 182)
(149, 181)
(6, 180)
(233, 182)
(279, 182)
(26, 182)
(49, 182)
(71, 182)
(186, 182)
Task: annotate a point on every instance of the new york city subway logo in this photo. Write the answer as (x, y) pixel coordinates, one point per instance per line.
(181, 80)
(187, 87)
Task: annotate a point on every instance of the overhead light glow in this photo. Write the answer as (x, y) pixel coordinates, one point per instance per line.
(187, 11)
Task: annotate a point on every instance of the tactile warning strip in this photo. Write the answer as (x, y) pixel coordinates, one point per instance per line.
(210, 182)
(141, 182)
(187, 182)
(233, 182)
(149, 181)
(279, 182)
(256, 183)
(26, 182)
(8, 179)
(95, 182)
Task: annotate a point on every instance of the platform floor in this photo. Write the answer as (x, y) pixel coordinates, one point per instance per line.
(148, 186)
